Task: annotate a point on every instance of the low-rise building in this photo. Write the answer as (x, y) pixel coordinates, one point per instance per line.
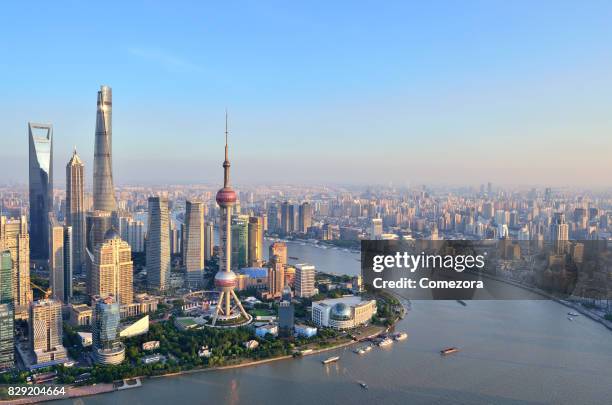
(80, 315)
(262, 331)
(305, 331)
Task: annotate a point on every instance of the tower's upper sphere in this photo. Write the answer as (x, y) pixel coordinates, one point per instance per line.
(226, 196)
(225, 279)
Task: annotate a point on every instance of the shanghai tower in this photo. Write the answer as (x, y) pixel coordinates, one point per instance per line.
(103, 190)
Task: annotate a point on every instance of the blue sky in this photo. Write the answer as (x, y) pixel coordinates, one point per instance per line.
(439, 92)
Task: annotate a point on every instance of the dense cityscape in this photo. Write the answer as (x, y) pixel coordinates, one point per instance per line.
(101, 282)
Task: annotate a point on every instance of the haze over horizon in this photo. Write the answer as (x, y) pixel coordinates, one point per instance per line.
(454, 93)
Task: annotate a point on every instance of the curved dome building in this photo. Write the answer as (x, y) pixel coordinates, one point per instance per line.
(343, 313)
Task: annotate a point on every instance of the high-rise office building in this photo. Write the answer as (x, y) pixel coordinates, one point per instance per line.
(278, 249)
(305, 217)
(194, 241)
(225, 279)
(7, 336)
(176, 238)
(60, 261)
(158, 244)
(304, 280)
(287, 218)
(41, 188)
(132, 231)
(240, 241)
(276, 277)
(46, 330)
(255, 240)
(75, 210)
(286, 314)
(103, 187)
(209, 241)
(559, 233)
(7, 327)
(105, 331)
(14, 238)
(273, 222)
(6, 277)
(112, 270)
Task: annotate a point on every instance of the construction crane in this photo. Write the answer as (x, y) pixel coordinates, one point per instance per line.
(46, 292)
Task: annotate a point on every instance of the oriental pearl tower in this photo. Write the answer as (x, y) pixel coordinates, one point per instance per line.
(225, 280)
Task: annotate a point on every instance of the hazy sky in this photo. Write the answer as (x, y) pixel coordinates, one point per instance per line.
(318, 92)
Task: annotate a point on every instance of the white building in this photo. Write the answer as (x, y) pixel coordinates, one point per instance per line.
(343, 313)
(304, 280)
(305, 330)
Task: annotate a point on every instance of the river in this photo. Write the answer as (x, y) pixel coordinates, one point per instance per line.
(511, 352)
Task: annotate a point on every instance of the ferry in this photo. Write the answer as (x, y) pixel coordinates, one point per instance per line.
(449, 350)
(400, 336)
(573, 314)
(385, 342)
(331, 359)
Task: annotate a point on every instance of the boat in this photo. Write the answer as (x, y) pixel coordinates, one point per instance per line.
(573, 314)
(363, 385)
(400, 336)
(462, 303)
(331, 359)
(569, 318)
(449, 350)
(363, 350)
(385, 342)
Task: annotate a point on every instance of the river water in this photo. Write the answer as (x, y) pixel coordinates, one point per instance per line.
(511, 352)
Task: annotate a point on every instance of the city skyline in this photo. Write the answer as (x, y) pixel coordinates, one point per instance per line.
(525, 104)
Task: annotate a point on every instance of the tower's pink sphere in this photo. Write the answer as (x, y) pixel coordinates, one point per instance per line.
(225, 279)
(226, 196)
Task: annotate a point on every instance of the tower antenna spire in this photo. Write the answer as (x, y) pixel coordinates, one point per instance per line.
(226, 163)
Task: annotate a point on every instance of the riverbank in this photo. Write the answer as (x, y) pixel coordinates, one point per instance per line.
(569, 304)
(82, 391)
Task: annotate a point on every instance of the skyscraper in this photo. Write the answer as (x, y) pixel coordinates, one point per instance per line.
(193, 244)
(240, 241)
(14, 238)
(158, 244)
(273, 223)
(255, 242)
(304, 280)
(41, 188)
(112, 270)
(276, 277)
(105, 337)
(559, 233)
(209, 241)
(60, 261)
(75, 209)
(7, 328)
(46, 331)
(305, 217)
(278, 249)
(103, 188)
(286, 314)
(287, 218)
(225, 279)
